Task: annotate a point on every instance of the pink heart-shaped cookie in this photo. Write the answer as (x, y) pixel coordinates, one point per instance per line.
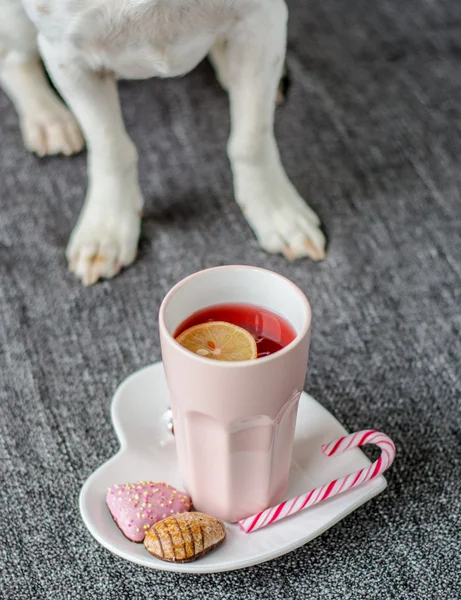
(135, 507)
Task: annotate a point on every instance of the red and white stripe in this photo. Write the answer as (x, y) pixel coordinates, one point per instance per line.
(337, 486)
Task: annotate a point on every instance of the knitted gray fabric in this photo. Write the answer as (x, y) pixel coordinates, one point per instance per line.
(371, 136)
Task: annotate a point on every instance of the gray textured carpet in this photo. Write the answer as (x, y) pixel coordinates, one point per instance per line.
(372, 136)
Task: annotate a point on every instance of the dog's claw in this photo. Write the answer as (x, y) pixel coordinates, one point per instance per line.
(316, 253)
(288, 253)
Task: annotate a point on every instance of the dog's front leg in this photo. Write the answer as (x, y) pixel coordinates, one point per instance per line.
(278, 215)
(106, 235)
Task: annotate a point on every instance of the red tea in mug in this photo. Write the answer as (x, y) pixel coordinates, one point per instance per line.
(271, 331)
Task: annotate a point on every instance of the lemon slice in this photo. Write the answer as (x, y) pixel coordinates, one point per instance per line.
(220, 341)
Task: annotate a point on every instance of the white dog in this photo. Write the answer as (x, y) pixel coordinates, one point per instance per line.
(87, 44)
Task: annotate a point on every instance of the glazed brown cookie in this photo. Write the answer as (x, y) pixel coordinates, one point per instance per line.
(184, 537)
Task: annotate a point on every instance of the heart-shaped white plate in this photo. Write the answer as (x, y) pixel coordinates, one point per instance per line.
(147, 452)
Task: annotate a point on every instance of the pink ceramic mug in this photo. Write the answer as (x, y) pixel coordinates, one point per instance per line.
(234, 421)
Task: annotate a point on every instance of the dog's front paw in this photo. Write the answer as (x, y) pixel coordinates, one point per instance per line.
(48, 127)
(105, 238)
(281, 219)
(288, 230)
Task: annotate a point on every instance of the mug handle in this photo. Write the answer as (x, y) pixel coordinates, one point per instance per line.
(337, 486)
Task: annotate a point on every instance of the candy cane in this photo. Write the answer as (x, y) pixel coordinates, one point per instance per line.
(337, 486)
